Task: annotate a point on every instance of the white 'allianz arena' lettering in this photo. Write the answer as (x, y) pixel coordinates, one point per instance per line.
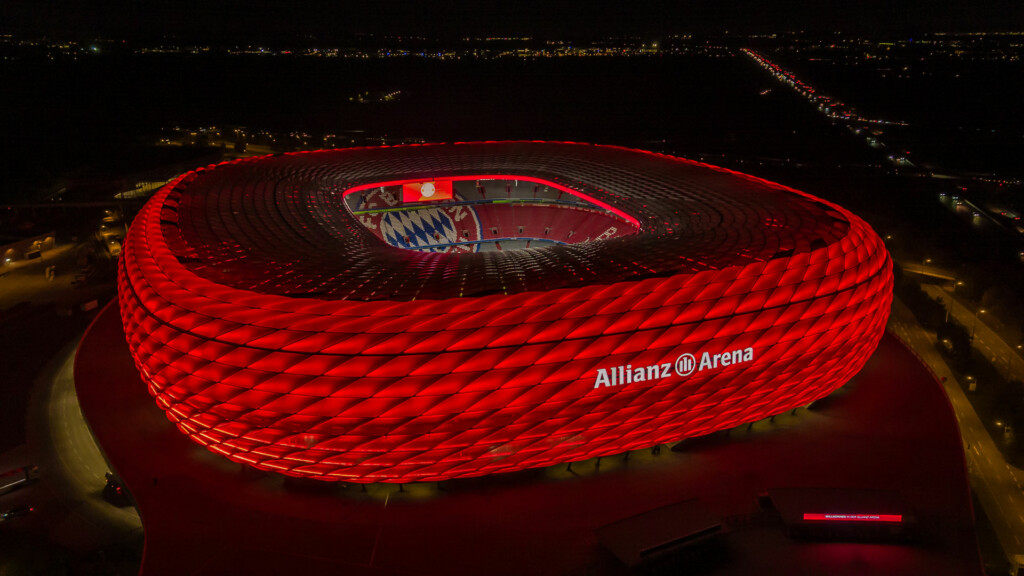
(684, 366)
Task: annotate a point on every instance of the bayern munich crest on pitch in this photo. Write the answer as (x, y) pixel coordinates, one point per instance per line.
(451, 229)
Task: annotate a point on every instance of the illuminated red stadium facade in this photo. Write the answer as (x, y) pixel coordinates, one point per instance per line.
(430, 312)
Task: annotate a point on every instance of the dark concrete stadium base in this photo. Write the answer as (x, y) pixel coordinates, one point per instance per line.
(891, 428)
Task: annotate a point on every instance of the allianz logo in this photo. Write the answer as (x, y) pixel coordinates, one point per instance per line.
(685, 365)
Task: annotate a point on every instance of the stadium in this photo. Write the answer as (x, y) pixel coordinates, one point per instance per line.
(422, 313)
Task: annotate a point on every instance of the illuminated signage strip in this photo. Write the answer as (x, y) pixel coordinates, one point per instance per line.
(895, 518)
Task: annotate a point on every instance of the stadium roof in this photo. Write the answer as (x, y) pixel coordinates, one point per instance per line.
(279, 225)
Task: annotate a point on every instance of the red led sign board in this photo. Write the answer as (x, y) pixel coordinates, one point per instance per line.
(853, 517)
(432, 191)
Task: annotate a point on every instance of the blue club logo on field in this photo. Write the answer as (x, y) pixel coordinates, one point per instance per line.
(419, 229)
(442, 228)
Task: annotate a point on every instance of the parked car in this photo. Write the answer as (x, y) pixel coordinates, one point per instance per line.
(114, 493)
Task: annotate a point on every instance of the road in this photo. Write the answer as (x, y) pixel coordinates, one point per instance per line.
(997, 484)
(987, 341)
(26, 281)
(927, 270)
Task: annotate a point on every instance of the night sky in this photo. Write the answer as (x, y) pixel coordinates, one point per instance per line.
(323, 19)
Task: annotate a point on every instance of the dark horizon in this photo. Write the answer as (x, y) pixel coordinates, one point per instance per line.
(261, 20)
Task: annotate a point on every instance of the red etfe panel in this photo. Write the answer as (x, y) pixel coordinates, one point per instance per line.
(277, 331)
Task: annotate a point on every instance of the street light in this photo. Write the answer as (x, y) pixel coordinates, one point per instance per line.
(952, 292)
(976, 320)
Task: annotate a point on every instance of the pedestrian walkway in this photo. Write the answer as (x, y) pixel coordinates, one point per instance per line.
(71, 466)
